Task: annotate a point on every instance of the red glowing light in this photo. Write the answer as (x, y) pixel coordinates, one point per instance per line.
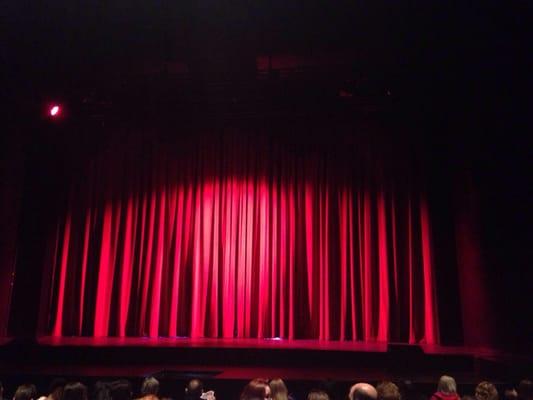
(55, 111)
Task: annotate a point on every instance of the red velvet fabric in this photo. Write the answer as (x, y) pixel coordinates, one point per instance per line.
(241, 237)
(445, 396)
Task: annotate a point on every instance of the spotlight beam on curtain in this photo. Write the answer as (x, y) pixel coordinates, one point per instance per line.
(235, 239)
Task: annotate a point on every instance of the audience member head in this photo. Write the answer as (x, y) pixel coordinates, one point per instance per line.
(316, 394)
(388, 391)
(486, 391)
(1, 390)
(194, 389)
(75, 391)
(256, 389)
(278, 389)
(25, 392)
(120, 390)
(101, 391)
(150, 386)
(510, 393)
(447, 385)
(363, 391)
(525, 390)
(55, 389)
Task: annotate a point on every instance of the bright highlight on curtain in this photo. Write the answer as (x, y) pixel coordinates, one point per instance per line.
(234, 239)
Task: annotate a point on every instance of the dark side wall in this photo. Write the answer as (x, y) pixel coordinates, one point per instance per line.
(11, 184)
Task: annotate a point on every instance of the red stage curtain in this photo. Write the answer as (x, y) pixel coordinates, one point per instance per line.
(239, 237)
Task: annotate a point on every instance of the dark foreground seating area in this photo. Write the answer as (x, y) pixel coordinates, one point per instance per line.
(164, 388)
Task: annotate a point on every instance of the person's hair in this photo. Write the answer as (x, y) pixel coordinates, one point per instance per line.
(278, 389)
(447, 384)
(101, 391)
(255, 389)
(194, 389)
(120, 390)
(75, 391)
(525, 389)
(316, 394)
(486, 391)
(55, 389)
(510, 394)
(25, 392)
(150, 386)
(388, 391)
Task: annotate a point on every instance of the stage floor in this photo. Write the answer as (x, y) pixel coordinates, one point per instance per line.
(270, 344)
(210, 343)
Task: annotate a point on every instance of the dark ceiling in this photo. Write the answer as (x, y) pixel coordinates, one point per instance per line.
(58, 41)
(444, 60)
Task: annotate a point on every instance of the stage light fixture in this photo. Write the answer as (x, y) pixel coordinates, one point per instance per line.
(55, 110)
